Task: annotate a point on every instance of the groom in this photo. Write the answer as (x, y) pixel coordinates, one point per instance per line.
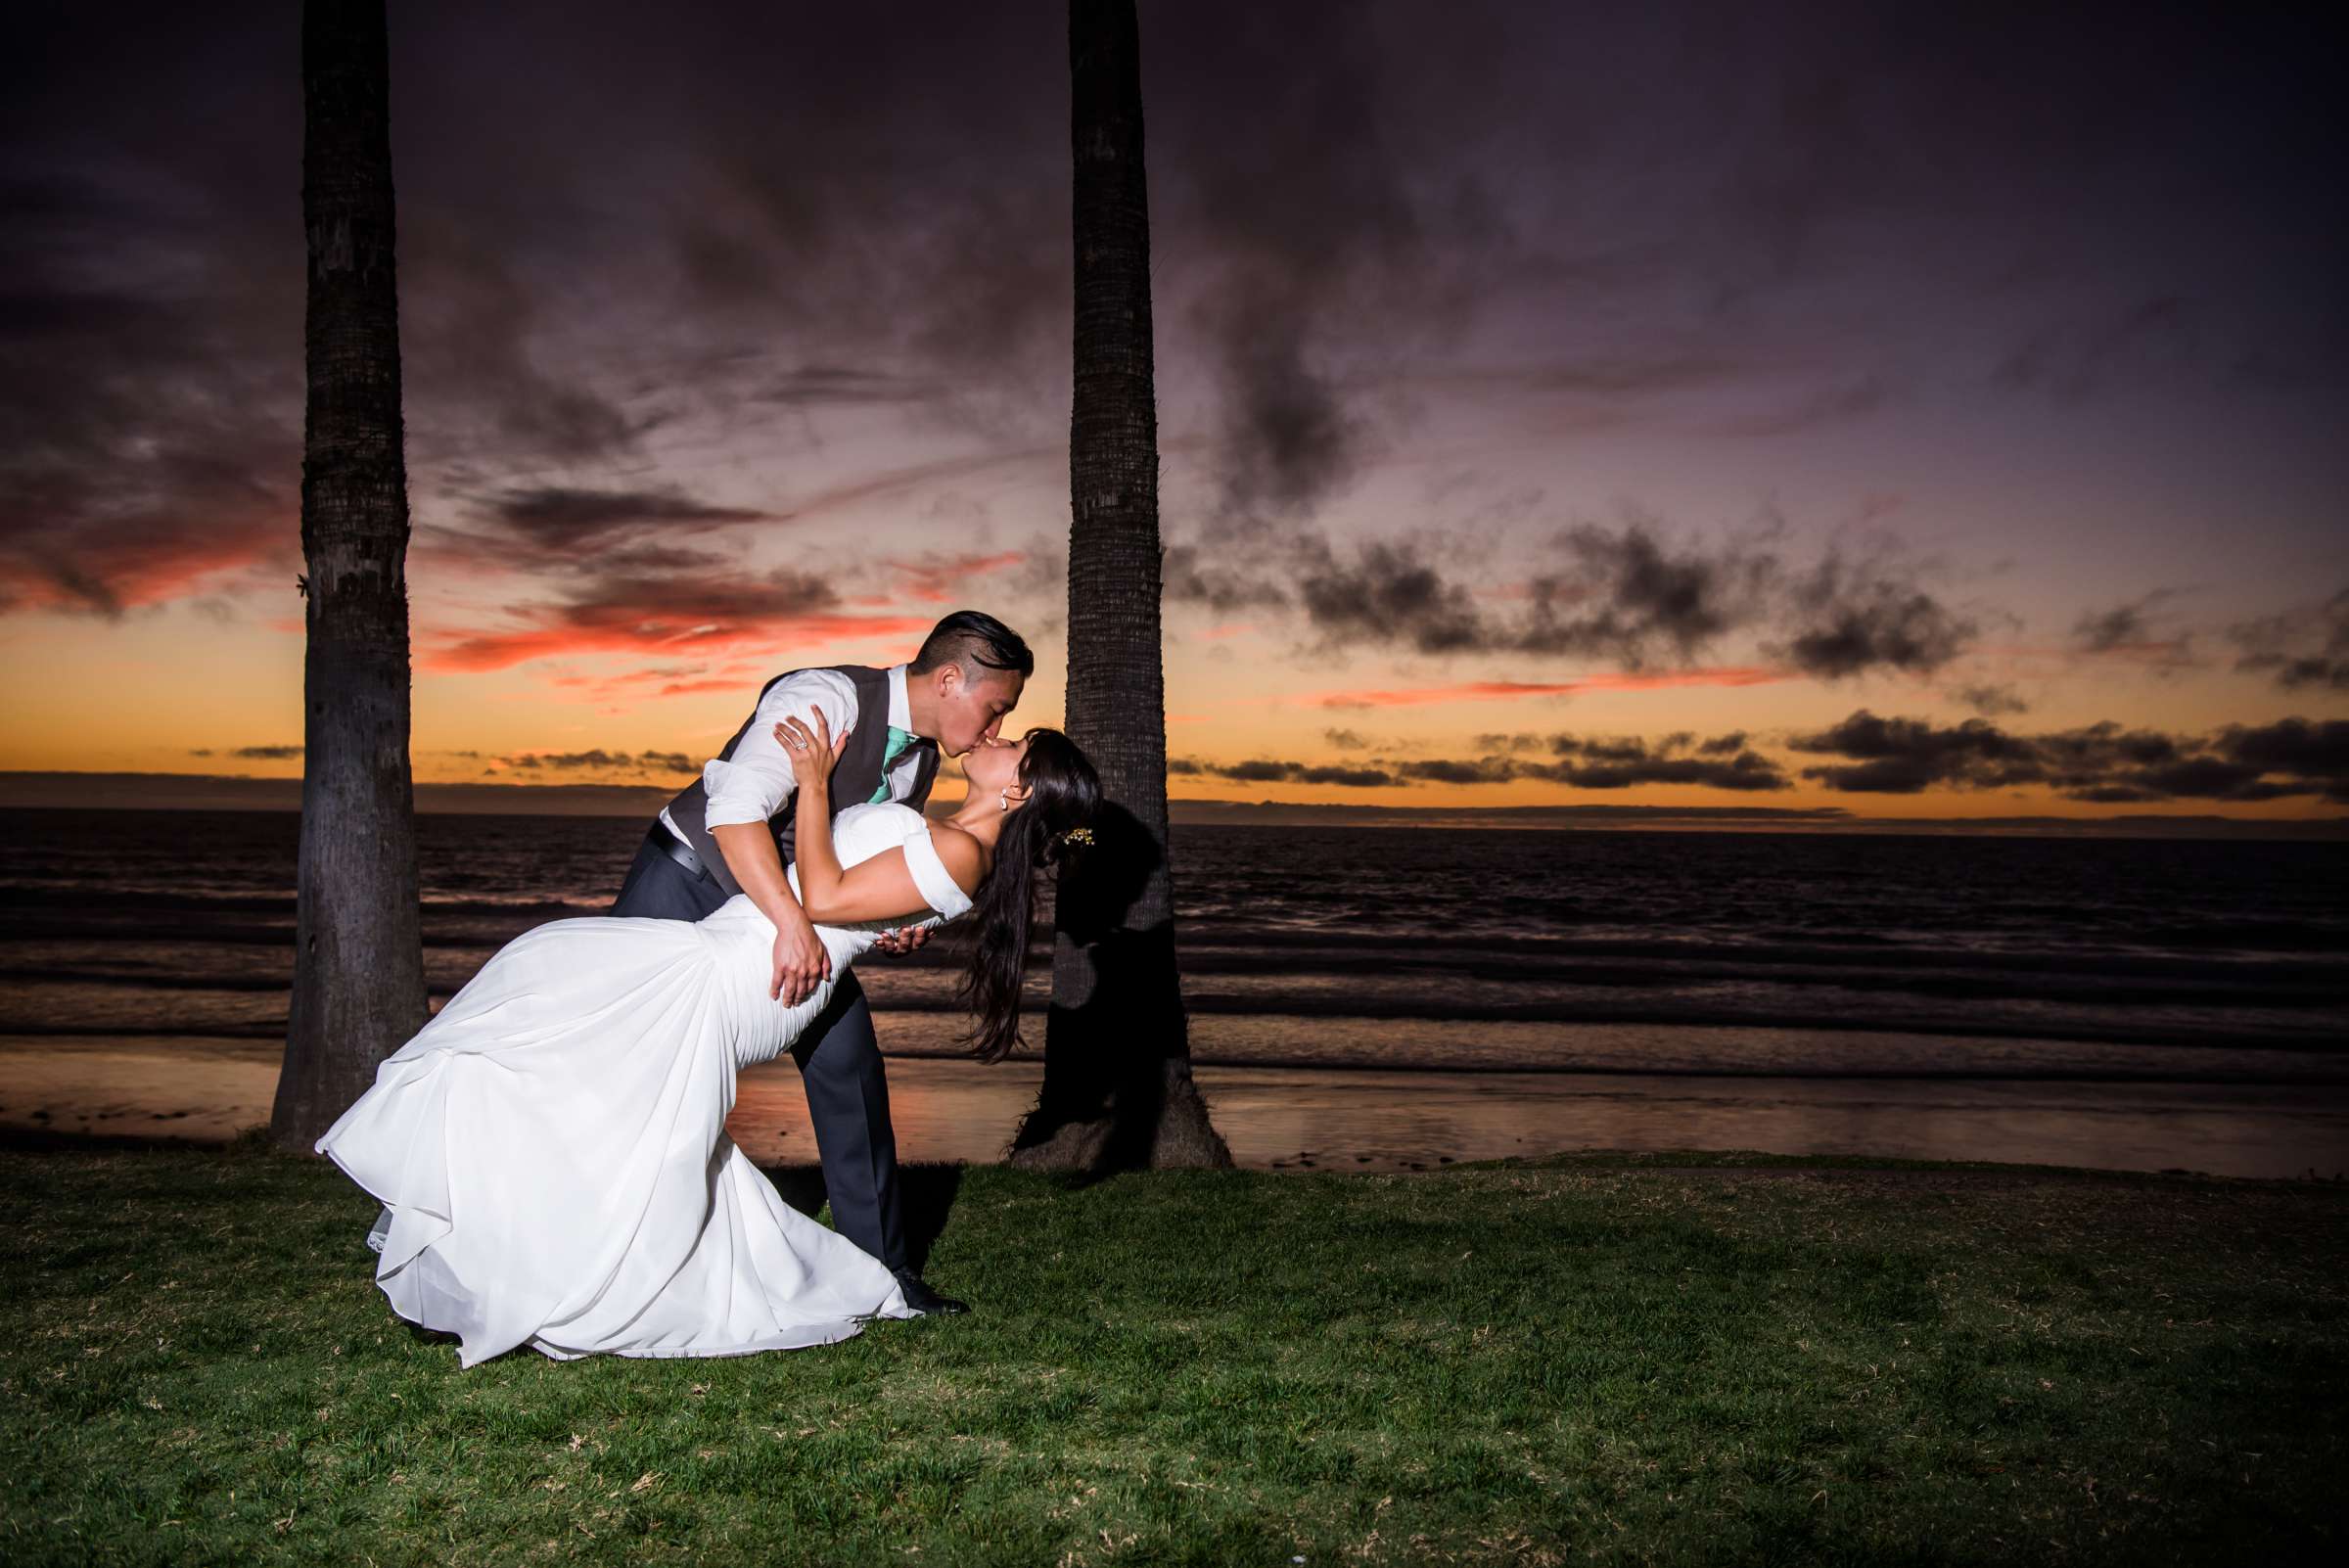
(731, 832)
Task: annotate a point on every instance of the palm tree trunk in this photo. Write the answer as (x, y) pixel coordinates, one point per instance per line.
(1118, 1089)
(359, 962)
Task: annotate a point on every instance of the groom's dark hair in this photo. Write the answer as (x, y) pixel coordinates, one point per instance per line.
(974, 640)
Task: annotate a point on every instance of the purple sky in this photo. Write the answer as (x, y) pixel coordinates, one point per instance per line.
(1549, 394)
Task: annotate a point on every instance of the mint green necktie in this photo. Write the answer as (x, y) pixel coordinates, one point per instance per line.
(899, 740)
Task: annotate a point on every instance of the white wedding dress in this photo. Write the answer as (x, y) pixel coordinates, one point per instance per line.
(551, 1149)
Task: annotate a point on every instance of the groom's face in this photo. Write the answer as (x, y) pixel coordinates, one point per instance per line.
(970, 712)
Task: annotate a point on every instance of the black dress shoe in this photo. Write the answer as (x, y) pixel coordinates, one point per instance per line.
(922, 1299)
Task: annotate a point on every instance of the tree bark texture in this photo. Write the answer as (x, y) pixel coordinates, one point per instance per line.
(1118, 1089)
(358, 964)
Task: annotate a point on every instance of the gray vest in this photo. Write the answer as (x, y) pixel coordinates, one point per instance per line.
(853, 782)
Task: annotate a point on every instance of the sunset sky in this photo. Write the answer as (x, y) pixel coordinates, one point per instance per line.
(1926, 411)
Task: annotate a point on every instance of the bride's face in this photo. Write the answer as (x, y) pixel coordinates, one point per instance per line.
(993, 765)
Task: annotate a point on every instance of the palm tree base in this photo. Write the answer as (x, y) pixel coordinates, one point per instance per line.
(1160, 1124)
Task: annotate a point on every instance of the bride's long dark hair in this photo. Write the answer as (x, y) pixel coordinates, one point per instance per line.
(1064, 794)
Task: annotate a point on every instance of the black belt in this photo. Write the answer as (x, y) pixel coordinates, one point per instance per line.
(677, 850)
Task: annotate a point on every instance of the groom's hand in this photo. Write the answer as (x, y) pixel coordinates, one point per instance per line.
(801, 962)
(902, 940)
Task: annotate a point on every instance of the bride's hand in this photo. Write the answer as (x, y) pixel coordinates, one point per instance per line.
(799, 741)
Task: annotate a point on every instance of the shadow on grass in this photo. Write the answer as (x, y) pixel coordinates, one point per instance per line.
(927, 1192)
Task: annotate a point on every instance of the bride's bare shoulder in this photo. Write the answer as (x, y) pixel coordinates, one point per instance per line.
(963, 858)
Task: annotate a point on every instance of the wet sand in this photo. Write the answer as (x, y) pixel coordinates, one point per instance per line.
(1284, 1118)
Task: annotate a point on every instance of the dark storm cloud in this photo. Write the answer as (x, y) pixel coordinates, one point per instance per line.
(1288, 440)
(1624, 594)
(1195, 576)
(612, 578)
(1454, 770)
(1597, 762)
(567, 761)
(620, 611)
(1718, 761)
(1747, 770)
(2103, 763)
(1309, 242)
(2308, 647)
(634, 596)
(1388, 593)
(615, 579)
(1854, 617)
(1268, 771)
(598, 759)
(1902, 756)
(1990, 699)
(558, 515)
(2126, 628)
(550, 557)
(1613, 765)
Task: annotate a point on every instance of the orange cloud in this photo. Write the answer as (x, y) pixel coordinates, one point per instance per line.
(148, 558)
(1478, 691)
(687, 689)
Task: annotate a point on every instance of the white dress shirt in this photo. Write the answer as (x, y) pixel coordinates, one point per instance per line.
(753, 785)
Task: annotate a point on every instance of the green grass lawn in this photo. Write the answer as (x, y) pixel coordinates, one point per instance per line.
(1615, 1358)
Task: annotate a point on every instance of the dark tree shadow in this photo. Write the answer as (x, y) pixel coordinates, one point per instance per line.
(801, 1186)
(1117, 1094)
(926, 1194)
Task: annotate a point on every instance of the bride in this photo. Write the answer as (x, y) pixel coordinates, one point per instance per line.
(550, 1150)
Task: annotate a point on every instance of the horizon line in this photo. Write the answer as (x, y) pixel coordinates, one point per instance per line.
(123, 789)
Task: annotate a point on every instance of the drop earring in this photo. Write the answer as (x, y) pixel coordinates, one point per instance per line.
(1003, 799)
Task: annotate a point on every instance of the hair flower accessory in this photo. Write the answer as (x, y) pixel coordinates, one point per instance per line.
(1078, 835)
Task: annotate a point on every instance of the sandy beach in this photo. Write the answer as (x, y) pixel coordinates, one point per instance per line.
(1284, 1118)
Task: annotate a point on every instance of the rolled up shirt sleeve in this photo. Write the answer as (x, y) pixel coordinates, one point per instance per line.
(753, 785)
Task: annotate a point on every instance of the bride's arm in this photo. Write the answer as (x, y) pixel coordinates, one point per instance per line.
(881, 887)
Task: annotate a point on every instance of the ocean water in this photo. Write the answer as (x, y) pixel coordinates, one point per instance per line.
(1353, 948)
